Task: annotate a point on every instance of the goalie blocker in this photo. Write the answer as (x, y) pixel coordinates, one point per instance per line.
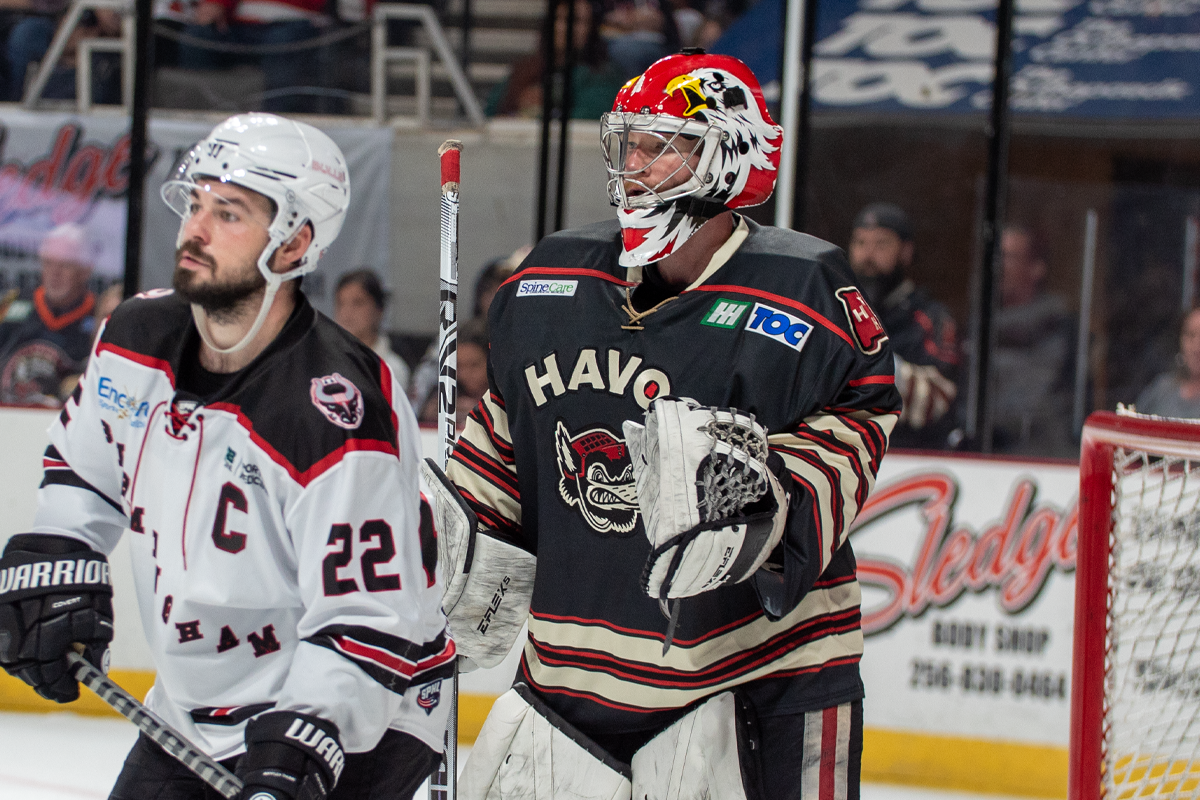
(489, 582)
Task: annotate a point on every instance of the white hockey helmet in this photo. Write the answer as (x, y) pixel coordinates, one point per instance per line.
(299, 168)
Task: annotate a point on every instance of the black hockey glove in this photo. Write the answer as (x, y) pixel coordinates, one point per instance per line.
(54, 591)
(290, 756)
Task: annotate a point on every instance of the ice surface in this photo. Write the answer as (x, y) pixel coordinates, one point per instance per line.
(71, 757)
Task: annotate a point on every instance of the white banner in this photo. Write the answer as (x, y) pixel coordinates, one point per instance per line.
(967, 567)
(57, 168)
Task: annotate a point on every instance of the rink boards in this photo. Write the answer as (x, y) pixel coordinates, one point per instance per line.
(967, 571)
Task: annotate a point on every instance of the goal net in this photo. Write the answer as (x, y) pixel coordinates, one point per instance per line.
(1135, 697)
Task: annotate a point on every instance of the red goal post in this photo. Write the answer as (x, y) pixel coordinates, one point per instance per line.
(1135, 693)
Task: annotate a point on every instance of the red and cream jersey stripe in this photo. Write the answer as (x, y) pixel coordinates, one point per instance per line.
(626, 669)
(483, 467)
(835, 457)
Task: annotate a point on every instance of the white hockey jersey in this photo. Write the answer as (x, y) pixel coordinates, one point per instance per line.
(283, 556)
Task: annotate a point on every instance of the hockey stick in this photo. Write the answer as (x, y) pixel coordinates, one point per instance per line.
(153, 726)
(443, 784)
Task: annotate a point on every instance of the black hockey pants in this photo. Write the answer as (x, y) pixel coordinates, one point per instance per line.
(394, 770)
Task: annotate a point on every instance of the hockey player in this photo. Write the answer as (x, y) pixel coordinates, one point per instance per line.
(679, 647)
(265, 462)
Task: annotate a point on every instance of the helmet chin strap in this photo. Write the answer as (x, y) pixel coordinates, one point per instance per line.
(274, 281)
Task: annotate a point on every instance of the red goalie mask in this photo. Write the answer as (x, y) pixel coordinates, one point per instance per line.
(709, 112)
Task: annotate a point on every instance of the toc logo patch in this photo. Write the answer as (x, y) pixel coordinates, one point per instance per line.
(534, 288)
(725, 313)
(780, 326)
(339, 400)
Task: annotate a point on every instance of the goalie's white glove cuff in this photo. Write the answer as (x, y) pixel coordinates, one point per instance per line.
(488, 581)
(716, 553)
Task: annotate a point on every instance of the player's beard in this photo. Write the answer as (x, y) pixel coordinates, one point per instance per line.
(223, 301)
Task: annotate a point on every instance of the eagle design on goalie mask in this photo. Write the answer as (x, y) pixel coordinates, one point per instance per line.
(596, 476)
(715, 99)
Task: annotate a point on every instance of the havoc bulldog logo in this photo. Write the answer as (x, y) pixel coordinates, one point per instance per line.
(597, 476)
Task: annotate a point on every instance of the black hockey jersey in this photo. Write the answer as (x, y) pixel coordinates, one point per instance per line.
(777, 330)
(276, 539)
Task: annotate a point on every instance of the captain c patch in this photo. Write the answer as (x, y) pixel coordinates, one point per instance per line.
(864, 325)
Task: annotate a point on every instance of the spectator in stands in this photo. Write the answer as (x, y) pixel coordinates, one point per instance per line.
(472, 373)
(45, 338)
(30, 38)
(638, 32)
(358, 304)
(261, 24)
(594, 81)
(923, 334)
(494, 273)
(1177, 393)
(1033, 354)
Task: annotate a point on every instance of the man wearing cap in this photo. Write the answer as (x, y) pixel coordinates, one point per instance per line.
(45, 338)
(922, 331)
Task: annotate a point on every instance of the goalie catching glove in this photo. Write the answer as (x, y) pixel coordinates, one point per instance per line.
(712, 509)
(55, 591)
(489, 582)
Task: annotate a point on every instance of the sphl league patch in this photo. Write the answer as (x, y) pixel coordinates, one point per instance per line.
(430, 696)
(867, 329)
(339, 400)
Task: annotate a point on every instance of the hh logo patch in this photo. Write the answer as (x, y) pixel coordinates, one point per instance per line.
(725, 313)
(536, 288)
(780, 326)
(339, 400)
(867, 329)
(430, 696)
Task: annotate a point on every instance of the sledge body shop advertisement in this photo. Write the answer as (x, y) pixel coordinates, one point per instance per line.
(57, 168)
(967, 567)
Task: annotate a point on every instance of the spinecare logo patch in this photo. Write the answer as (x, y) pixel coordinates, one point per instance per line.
(725, 313)
(532, 287)
(779, 325)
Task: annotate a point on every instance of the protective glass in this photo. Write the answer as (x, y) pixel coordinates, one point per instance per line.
(653, 159)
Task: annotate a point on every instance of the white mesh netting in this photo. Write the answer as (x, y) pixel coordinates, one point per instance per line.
(1152, 661)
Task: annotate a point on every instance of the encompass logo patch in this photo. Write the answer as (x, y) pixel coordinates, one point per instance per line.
(535, 288)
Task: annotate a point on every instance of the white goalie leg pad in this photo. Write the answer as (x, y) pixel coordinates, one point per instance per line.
(488, 581)
(527, 752)
(694, 759)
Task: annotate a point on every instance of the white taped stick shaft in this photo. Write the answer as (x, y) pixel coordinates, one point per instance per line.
(443, 784)
(166, 737)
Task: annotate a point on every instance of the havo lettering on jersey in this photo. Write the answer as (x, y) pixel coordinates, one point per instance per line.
(779, 325)
(621, 374)
(125, 405)
(533, 288)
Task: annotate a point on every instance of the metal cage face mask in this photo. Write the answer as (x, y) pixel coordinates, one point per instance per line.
(658, 136)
